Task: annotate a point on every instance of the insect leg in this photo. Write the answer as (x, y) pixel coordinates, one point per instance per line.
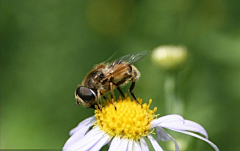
(99, 100)
(112, 94)
(120, 83)
(104, 98)
(131, 88)
(121, 92)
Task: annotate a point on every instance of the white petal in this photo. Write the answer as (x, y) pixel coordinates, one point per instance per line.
(88, 140)
(90, 143)
(154, 143)
(167, 137)
(78, 135)
(106, 138)
(144, 145)
(136, 146)
(161, 135)
(130, 145)
(83, 123)
(94, 131)
(186, 125)
(114, 144)
(123, 145)
(198, 136)
(167, 118)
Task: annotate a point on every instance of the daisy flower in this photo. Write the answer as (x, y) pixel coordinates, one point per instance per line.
(128, 127)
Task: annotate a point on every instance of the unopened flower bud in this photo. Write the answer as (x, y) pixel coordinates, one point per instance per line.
(170, 58)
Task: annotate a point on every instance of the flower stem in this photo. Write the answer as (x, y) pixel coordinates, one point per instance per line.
(172, 104)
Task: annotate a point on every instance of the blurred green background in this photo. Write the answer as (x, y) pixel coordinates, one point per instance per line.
(47, 47)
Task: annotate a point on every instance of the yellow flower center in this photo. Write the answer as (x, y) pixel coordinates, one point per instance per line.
(130, 119)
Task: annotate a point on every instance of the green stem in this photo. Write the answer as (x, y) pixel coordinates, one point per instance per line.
(172, 104)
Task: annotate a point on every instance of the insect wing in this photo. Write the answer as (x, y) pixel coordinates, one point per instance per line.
(110, 57)
(120, 64)
(132, 58)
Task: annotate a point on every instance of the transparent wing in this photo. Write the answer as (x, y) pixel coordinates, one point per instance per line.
(132, 58)
(118, 66)
(109, 58)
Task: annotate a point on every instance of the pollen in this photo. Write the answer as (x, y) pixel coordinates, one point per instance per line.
(130, 119)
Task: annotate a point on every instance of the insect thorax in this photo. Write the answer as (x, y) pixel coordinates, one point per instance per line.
(93, 81)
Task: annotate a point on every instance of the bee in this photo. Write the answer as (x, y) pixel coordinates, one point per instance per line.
(105, 77)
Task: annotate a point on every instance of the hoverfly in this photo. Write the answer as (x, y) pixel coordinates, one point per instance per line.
(105, 77)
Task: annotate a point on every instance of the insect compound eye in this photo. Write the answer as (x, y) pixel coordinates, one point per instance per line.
(86, 94)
